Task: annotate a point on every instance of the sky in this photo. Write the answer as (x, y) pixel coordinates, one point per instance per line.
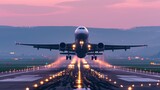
(90, 13)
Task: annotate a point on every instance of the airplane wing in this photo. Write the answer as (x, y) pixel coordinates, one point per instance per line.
(49, 46)
(117, 47)
(102, 47)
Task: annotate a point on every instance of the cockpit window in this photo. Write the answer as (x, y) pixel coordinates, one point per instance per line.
(81, 28)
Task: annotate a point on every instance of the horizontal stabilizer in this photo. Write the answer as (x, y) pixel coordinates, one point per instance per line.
(68, 53)
(94, 53)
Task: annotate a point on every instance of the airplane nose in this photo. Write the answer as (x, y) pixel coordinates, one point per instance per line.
(81, 29)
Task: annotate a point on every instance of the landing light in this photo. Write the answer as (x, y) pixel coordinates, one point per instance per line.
(81, 42)
(89, 47)
(129, 88)
(35, 85)
(73, 46)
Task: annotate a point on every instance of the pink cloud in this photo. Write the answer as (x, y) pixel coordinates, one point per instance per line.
(27, 10)
(32, 7)
(137, 4)
(34, 2)
(90, 13)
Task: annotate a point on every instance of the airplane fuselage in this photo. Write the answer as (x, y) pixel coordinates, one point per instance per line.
(81, 41)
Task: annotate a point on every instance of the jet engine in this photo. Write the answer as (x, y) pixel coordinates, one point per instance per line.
(62, 46)
(100, 46)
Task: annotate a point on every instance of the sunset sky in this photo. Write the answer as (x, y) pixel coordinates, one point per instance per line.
(90, 13)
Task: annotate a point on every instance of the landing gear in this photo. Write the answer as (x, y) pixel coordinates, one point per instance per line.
(93, 57)
(68, 57)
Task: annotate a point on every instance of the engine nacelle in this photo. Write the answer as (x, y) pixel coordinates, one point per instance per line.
(100, 46)
(62, 46)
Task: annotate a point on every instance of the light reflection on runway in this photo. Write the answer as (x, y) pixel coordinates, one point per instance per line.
(102, 63)
(79, 80)
(57, 63)
(72, 63)
(123, 79)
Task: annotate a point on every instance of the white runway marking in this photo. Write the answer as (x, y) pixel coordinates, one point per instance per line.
(26, 78)
(132, 78)
(127, 76)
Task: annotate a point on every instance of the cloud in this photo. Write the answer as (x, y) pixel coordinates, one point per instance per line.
(28, 10)
(32, 7)
(136, 4)
(34, 2)
(89, 3)
(93, 13)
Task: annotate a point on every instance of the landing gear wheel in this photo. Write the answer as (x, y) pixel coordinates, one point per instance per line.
(70, 57)
(92, 57)
(67, 57)
(95, 57)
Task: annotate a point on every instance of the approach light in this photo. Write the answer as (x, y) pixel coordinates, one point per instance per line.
(141, 85)
(121, 85)
(129, 88)
(41, 82)
(27, 88)
(50, 77)
(46, 80)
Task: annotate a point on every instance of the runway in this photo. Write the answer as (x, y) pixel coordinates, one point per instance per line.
(80, 74)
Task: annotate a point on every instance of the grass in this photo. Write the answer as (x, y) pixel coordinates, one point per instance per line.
(136, 64)
(9, 64)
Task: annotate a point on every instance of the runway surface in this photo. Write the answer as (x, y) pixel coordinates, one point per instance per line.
(79, 74)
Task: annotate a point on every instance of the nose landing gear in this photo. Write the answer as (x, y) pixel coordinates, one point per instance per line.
(93, 57)
(68, 57)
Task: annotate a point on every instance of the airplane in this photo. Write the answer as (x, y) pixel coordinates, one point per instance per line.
(81, 46)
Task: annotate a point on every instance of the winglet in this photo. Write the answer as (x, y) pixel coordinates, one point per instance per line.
(146, 45)
(17, 43)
